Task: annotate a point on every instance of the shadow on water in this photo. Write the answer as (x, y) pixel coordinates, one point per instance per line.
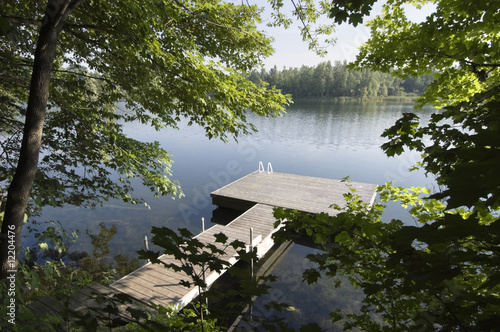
(224, 216)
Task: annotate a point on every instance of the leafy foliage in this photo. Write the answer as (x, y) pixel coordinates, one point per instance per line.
(442, 273)
(192, 256)
(464, 150)
(351, 11)
(54, 269)
(167, 319)
(160, 67)
(307, 13)
(438, 275)
(55, 274)
(457, 42)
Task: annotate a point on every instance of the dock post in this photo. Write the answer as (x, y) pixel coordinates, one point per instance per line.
(205, 288)
(203, 267)
(146, 246)
(251, 250)
(251, 267)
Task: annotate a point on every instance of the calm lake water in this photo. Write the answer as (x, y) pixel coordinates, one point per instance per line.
(323, 139)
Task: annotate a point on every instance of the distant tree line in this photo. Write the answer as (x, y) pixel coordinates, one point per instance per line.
(327, 80)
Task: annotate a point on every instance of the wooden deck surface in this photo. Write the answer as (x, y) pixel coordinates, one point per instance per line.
(154, 283)
(303, 193)
(92, 299)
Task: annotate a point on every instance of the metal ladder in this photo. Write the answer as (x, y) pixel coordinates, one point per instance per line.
(269, 167)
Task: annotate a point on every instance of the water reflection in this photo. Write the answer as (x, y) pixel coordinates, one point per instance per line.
(351, 126)
(305, 303)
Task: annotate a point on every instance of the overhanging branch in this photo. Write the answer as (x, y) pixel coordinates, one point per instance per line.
(22, 21)
(12, 20)
(217, 24)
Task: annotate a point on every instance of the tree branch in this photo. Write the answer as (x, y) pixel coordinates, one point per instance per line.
(22, 21)
(313, 44)
(84, 75)
(72, 6)
(440, 53)
(299, 15)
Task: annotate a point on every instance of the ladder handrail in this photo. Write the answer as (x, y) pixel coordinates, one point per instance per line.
(261, 167)
(269, 167)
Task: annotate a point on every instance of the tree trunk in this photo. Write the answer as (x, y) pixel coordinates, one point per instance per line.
(56, 14)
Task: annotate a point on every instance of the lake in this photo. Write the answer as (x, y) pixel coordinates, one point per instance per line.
(323, 139)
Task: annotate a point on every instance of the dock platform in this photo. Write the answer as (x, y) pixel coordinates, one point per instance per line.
(302, 193)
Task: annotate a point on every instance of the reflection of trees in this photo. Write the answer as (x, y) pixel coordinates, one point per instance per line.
(304, 303)
(55, 245)
(319, 124)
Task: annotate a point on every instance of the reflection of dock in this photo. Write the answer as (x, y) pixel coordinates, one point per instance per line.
(256, 194)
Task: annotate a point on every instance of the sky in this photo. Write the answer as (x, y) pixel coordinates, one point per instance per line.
(291, 51)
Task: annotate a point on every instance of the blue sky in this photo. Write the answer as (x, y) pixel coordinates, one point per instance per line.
(291, 51)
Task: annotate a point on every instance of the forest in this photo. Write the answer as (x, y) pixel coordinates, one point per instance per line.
(330, 81)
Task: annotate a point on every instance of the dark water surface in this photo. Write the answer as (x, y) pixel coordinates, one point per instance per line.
(329, 139)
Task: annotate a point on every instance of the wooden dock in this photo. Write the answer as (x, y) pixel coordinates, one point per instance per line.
(257, 194)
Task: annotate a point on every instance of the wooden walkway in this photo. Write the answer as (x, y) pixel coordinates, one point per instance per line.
(94, 300)
(154, 283)
(302, 193)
